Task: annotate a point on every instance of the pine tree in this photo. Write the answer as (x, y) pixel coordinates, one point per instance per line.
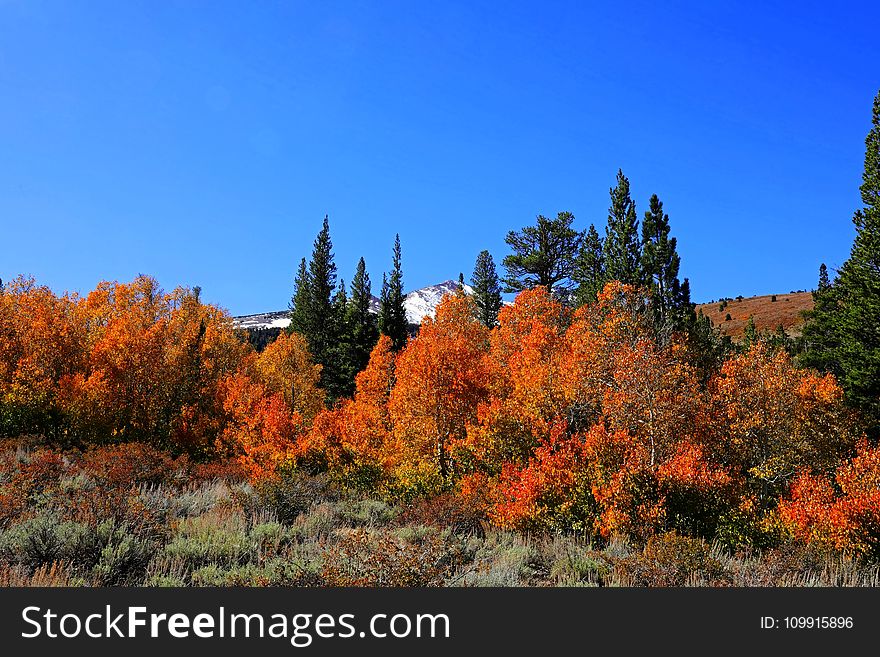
(841, 334)
(621, 249)
(543, 254)
(824, 281)
(858, 290)
(750, 334)
(300, 311)
(339, 380)
(322, 284)
(392, 312)
(707, 347)
(684, 314)
(362, 325)
(384, 292)
(670, 299)
(819, 336)
(340, 299)
(780, 340)
(487, 289)
(314, 314)
(460, 282)
(589, 268)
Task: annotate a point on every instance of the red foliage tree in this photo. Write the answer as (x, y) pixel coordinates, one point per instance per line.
(842, 512)
(441, 377)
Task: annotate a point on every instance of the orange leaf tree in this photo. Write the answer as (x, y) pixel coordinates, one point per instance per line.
(767, 420)
(355, 437)
(441, 377)
(840, 512)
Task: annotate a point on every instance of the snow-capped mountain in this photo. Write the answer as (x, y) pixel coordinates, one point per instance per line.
(424, 301)
(417, 303)
(279, 319)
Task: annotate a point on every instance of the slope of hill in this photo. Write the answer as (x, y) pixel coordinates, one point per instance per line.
(786, 310)
(417, 303)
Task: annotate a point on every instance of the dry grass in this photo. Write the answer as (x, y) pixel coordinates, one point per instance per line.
(54, 574)
(786, 310)
(303, 532)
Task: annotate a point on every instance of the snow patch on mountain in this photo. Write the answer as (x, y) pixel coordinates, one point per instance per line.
(424, 302)
(418, 304)
(279, 319)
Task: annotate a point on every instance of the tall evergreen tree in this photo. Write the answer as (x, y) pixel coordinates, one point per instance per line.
(685, 313)
(487, 289)
(622, 250)
(362, 325)
(824, 281)
(322, 284)
(392, 312)
(383, 300)
(300, 302)
(315, 315)
(341, 371)
(853, 308)
(660, 263)
(780, 340)
(819, 338)
(589, 268)
(707, 347)
(750, 334)
(543, 254)
(339, 310)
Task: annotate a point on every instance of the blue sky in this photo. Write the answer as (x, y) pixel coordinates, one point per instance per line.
(203, 142)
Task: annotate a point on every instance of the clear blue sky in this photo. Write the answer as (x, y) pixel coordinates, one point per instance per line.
(203, 142)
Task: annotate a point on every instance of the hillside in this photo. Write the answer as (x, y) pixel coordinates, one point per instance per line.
(768, 314)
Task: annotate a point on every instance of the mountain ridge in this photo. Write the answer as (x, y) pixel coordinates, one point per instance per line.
(418, 304)
(786, 310)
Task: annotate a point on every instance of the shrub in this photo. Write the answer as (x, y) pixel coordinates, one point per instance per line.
(219, 538)
(379, 558)
(165, 581)
(670, 560)
(106, 554)
(227, 470)
(275, 572)
(29, 479)
(459, 514)
(579, 570)
(367, 512)
(574, 565)
(288, 496)
(174, 503)
(44, 540)
(130, 464)
(123, 559)
(503, 559)
(318, 523)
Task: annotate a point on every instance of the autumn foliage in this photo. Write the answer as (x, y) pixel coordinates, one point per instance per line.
(554, 420)
(842, 511)
(132, 363)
